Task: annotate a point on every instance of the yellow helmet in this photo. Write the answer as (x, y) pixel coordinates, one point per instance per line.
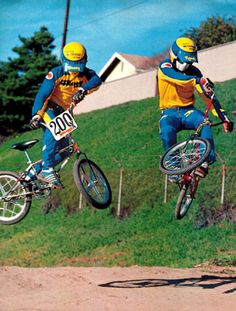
(183, 53)
(74, 57)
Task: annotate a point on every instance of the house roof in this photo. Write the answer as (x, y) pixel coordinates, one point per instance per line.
(139, 63)
(142, 62)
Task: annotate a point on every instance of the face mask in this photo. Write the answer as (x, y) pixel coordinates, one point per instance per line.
(182, 66)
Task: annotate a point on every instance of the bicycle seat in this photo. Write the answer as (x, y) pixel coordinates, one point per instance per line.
(25, 144)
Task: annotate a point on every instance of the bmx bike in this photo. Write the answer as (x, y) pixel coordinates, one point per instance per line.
(16, 192)
(182, 159)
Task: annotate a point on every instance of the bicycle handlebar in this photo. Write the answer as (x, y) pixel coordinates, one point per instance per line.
(218, 123)
(43, 124)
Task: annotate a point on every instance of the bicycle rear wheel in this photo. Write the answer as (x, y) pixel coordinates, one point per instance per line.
(185, 156)
(14, 200)
(186, 197)
(92, 183)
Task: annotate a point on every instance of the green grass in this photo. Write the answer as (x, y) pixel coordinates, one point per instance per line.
(150, 235)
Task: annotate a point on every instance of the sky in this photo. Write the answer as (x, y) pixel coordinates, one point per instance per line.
(107, 26)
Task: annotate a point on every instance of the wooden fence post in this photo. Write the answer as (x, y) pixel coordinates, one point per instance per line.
(223, 183)
(120, 186)
(80, 200)
(166, 188)
(120, 191)
(223, 179)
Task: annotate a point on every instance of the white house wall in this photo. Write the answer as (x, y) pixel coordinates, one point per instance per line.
(217, 63)
(136, 87)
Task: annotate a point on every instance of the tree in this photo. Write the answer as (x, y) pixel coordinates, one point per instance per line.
(20, 79)
(215, 30)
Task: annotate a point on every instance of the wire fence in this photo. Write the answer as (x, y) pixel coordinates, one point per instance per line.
(134, 185)
(136, 180)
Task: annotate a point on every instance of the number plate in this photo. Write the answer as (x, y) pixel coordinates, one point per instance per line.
(62, 125)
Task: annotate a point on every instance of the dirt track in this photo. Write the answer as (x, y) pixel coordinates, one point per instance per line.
(117, 289)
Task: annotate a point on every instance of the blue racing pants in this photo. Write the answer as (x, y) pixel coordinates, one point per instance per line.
(174, 120)
(51, 147)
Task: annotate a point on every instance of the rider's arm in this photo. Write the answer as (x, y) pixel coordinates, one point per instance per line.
(216, 108)
(206, 91)
(94, 81)
(46, 88)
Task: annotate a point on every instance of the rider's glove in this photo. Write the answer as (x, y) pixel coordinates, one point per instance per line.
(34, 122)
(208, 86)
(228, 125)
(79, 96)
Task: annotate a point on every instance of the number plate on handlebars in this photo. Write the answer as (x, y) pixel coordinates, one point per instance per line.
(62, 125)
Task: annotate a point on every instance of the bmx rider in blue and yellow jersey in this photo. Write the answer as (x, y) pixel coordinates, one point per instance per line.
(62, 85)
(177, 80)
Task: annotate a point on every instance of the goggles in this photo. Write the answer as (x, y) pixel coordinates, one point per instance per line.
(74, 66)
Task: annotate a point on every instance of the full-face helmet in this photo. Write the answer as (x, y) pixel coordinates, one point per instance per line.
(183, 53)
(74, 57)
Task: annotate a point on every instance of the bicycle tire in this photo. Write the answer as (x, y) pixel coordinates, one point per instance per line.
(186, 197)
(183, 203)
(13, 211)
(177, 161)
(92, 183)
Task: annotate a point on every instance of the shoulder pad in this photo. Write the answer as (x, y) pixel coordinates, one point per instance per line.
(166, 65)
(49, 76)
(54, 73)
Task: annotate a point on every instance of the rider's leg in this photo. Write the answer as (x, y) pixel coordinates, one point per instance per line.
(62, 143)
(170, 124)
(50, 155)
(51, 147)
(207, 133)
(50, 152)
(49, 160)
(191, 119)
(31, 175)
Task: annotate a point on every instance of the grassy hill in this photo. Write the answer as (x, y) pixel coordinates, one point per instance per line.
(127, 136)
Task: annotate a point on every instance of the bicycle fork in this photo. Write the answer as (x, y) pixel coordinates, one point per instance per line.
(190, 180)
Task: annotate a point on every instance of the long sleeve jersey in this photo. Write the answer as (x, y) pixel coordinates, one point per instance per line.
(176, 89)
(59, 86)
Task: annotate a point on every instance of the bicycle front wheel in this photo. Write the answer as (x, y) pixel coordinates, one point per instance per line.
(15, 200)
(92, 183)
(185, 156)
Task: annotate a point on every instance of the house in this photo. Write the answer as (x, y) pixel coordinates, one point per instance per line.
(125, 77)
(122, 65)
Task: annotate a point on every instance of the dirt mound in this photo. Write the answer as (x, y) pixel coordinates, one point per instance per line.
(208, 217)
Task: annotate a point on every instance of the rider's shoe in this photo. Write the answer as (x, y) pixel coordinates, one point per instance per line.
(202, 170)
(174, 179)
(48, 175)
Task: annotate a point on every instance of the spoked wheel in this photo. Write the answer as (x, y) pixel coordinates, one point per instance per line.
(14, 200)
(185, 156)
(186, 197)
(92, 183)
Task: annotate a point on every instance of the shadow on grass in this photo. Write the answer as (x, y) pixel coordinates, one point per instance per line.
(205, 282)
